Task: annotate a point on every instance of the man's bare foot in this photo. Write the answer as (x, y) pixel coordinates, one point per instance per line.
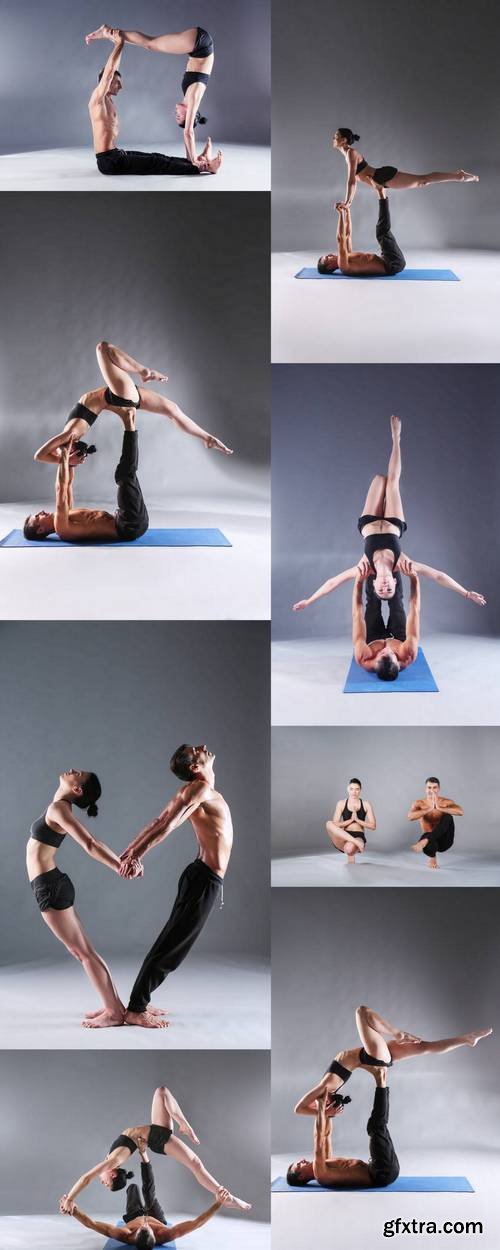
(238, 1204)
(214, 165)
(472, 1039)
(350, 859)
(104, 1020)
(465, 177)
(103, 32)
(144, 1020)
(207, 150)
(433, 863)
(91, 1015)
(185, 1128)
(152, 375)
(417, 846)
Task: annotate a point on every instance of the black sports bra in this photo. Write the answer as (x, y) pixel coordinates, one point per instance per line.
(192, 76)
(359, 815)
(362, 164)
(382, 542)
(123, 1140)
(40, 832)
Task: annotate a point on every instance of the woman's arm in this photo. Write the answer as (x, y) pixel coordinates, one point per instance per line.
(47, 452)
(307, 1105)
(114, 1160)
(190, 1226)
(97, 850)
(327, 588)
(352, 164)
(192, 100)
(370, 822)
(443, 579)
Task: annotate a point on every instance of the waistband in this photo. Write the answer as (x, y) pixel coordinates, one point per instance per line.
(200, 865)
(52, 875)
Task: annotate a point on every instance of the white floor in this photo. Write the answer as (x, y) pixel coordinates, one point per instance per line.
(308, 678)
(146, 583)
(48, 1232)
(210, 1000)
(245, 168)
(401, 868)
(341, 1221)
(376, 322)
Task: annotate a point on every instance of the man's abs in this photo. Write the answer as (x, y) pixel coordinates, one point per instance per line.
(86, 525)
(104, 128)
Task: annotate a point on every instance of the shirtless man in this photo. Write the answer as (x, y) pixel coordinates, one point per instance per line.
(104, 121)
(145, 1221)
(200, 885)
(365, 264)
(329, 1169)
(76, 525)
(379, 648)
(435, 814)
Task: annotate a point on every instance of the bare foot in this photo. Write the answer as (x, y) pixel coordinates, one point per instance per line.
(465, 177)
(238, 1203)
(433, 863)
(417, 846)
(156, 1011)
(207, 150)
(395, 426)
(91, 1015)
(185, 1128)
(214, 165)
(103, 32)
(472, 1039)
(144, 1020)
(215, 444)
(104, 1020)
(351, 859)
(152, 375)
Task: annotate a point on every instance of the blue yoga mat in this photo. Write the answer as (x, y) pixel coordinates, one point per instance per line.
(152, 538)
(407, 275)
(403, 1185)
(414, 679)
(111, 1244)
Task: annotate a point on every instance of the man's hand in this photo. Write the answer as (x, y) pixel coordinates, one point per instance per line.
(222, 1195)
(364, 567)
(131, 868)
(341, 206)
(65, 1206)
(476, 598)
(406, 566)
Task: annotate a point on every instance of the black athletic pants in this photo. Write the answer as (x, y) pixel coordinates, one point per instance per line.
(384, 1164)
(149, 1204)
(442, 836)
(391, 252)
(198, 889)
(374, 621)
(119, 161)
(131, 516)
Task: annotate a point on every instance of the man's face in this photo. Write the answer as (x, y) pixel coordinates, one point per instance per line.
(431, 790)
(201, 757)
(116, 85)
(330, 261)
(44, 522)
(303, 1168)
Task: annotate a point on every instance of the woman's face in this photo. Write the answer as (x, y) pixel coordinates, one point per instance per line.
(107, 1177)
(385, 585)
(353, 791)
(338, 141)
(180, 114)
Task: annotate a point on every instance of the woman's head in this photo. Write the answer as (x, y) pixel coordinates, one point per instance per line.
(384, 583)
(300, 1173)
(344, 138)
(354, 788)
(83, 789)
(180, 116)
(115, 1178)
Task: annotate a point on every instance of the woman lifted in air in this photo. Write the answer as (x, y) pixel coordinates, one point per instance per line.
(351, 817)
(376, 1055)
(386, 649)
(197, 44)
(358, 170)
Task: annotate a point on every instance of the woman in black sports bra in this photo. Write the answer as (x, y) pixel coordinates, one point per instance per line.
(347, 828)
(159, 1137)
(54, 891)
(388, 176)
(197, 44)
(120, 392)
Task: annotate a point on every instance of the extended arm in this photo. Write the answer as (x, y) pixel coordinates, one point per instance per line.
(114, 1160)
(190, 1226)
(413, 619)
(106, 1230)
(63, 816)
(327, 588)
(352, 164)
(344, 253)
(181, 808)
(112, 64)
(64, 493)
(442, 579)
(358, 620)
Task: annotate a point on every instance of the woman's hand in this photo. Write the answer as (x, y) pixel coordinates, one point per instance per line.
(476, 598)
(299, 607)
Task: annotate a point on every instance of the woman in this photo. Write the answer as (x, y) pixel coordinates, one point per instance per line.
(351, 818)
(159, 1137)
(120, 392)
(358, 170)
(198, 45)
(54, 891)
(382, 525)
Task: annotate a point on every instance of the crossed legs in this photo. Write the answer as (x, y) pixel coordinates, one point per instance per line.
(344, 841)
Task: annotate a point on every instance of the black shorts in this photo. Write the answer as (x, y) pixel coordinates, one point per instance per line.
(119, 402)
(81, 413)
(54, 890)
(364, 1057)
(384, 174)
(368, 519)
(204, 44)
(158, 1137)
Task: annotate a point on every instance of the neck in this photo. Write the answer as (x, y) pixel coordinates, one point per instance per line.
(385, 562)
(60, 794)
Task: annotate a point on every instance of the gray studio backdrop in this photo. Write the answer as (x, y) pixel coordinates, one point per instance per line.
(428, 967)
(418, 83)
(184, 292)
(331, 435)
(48, 72)
(79, 1103)
(311, 769)
(118, 700)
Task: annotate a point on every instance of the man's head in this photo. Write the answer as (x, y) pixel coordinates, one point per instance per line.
(180, 117)
(115, 84)
(38, 525)
(432, 787)
(193, 763)
(328, 263)
(144, 1237)
(300, 1173)
(387, 665)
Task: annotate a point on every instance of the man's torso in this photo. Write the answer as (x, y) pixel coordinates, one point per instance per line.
(432, 818)
(343, 1172)
(88, 523)
(365, 263)
(213, 827)
(104, 122)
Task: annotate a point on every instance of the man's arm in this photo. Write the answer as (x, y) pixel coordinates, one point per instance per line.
(190, 1226)
(358, 621)
(106, 1230)
(64, 493)
(413, 620)
(181, 808)
(418, 809)
(344, 253)
(452, 808)
(112, 64)
(327, 587)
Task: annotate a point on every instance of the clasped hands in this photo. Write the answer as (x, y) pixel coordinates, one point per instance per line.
(131, 865)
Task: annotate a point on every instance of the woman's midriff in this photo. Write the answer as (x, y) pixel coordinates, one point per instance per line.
(200, 65)
(39, 858)
(380, 527)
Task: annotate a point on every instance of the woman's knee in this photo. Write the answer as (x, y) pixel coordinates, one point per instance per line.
(102, 348)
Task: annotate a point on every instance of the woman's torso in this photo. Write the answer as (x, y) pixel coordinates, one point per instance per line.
(40, 851)
(199, 64)
(354, 817)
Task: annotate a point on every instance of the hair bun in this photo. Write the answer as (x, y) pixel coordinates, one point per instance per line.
(129, 1175)
(92, 809)
(91, 449)
(202, 121)
(355, 138)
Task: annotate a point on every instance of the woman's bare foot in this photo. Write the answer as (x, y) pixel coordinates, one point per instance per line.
(152, 375)
(156, 1011)
(103, 32)
(144, 1020)
(395, 426)
(91, 1015)
(104, 1020)
(433, 863)
(215, 444)
(238, 1203)
(465, 177)
(472, 1039)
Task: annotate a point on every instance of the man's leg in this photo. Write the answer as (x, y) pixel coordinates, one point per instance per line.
(134, 1204)
(151, 1204)
(123, 161)
(131, 516)
(442, 836)
(396, 623)
(384, 1164)
(189, 914)
(392, 255)
(374, 620)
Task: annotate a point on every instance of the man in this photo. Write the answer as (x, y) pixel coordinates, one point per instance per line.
(329, 1169)
(379, 648)
(435, 814)
(90, 524)
(365, 264)
(104, 121)
(200, 885)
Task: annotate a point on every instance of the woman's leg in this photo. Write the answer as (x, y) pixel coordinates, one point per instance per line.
(180, 43)
(393, 501)
(152, 402)
(166, 1109)
(344, 841)
(373, 1041)
(67, 926)
(410, 182)
(176, 1149)
(412, 1050)
(114, 374)
(375, 500)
